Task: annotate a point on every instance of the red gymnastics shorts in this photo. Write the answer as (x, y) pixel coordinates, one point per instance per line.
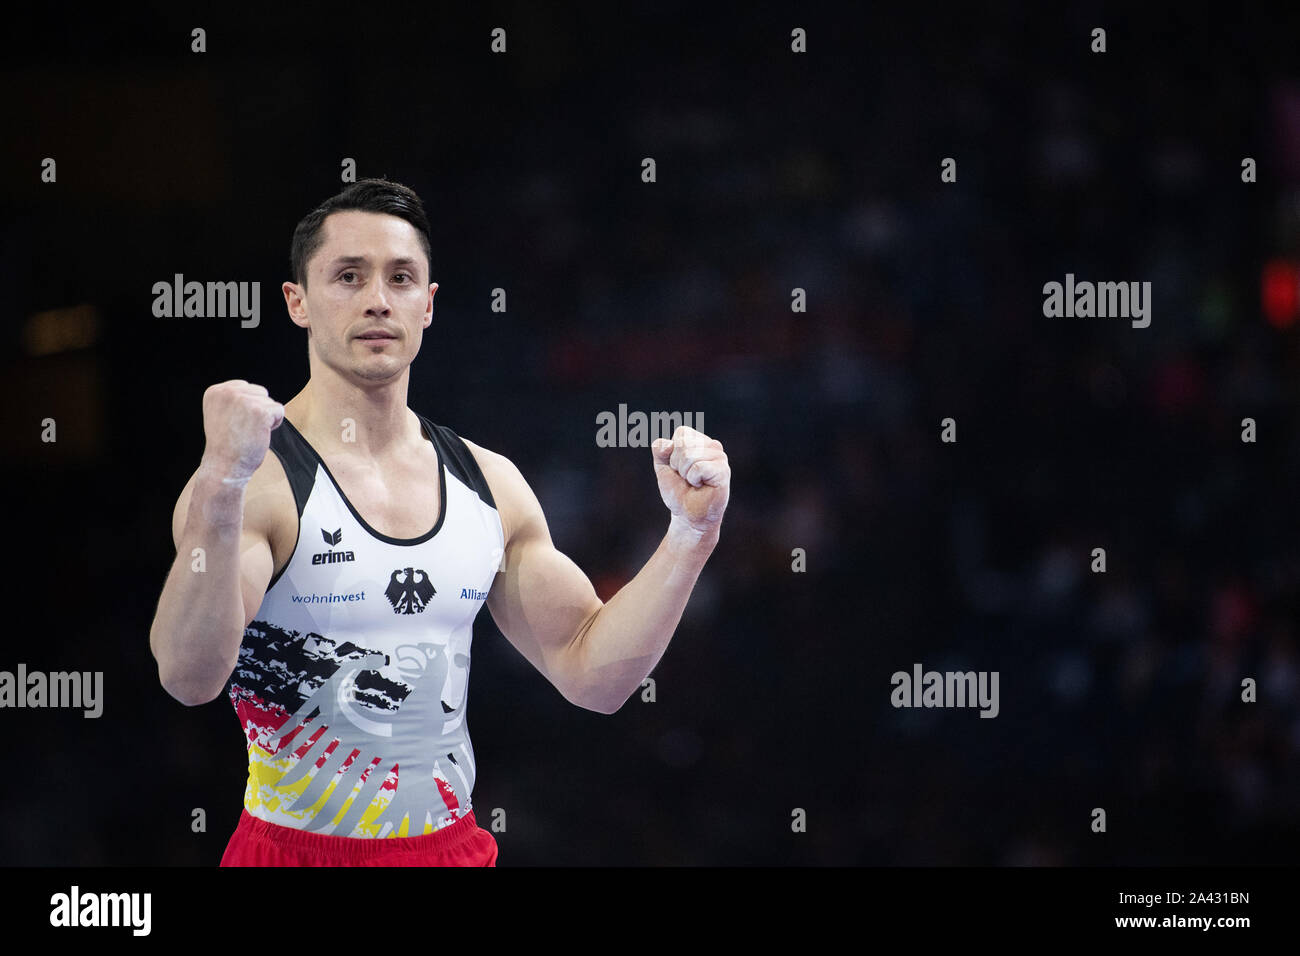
(259, 843)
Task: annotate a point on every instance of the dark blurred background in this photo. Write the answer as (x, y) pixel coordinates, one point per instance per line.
(776, 170)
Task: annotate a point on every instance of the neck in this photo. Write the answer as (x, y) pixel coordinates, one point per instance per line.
(337, 415)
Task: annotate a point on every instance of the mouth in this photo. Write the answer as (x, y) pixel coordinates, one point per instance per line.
(377, 337)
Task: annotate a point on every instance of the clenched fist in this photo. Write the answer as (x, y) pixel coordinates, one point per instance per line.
(694, 478)
(237, 421)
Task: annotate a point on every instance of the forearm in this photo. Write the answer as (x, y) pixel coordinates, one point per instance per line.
(626, 638)
(199, 624)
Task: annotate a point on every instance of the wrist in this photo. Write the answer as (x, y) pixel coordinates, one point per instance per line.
(218, 502)
(684, 538)
(224, 471)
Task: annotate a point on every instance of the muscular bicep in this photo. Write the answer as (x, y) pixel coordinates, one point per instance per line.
(256, 565)
(542, 601)
(256, 561)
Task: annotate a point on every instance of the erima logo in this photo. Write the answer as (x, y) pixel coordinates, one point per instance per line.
(412, 593)
(472, 595)
(332, 557)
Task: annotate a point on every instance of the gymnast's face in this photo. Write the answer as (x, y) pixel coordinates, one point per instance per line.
(367, 300)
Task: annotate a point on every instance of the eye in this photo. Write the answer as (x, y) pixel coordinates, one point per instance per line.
(348, 273)
(407, 274)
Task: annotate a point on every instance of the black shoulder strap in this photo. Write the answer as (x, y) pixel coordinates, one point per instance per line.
(298, 461)
(458, 459)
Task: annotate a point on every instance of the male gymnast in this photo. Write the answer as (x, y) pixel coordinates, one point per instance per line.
(329, 590)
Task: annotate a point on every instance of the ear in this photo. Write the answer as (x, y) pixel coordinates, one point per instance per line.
(428, 313)
(295, 300)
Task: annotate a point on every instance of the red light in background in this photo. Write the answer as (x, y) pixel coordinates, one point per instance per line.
(1280, 293)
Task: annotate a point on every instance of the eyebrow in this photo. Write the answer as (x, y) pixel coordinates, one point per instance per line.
(362, 260)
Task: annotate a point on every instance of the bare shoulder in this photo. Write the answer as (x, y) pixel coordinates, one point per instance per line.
(489, 460)
(515, 500)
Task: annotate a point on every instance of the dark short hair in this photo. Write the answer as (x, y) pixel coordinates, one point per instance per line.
(366, 195)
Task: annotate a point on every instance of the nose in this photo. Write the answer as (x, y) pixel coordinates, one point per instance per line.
(377, 299)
